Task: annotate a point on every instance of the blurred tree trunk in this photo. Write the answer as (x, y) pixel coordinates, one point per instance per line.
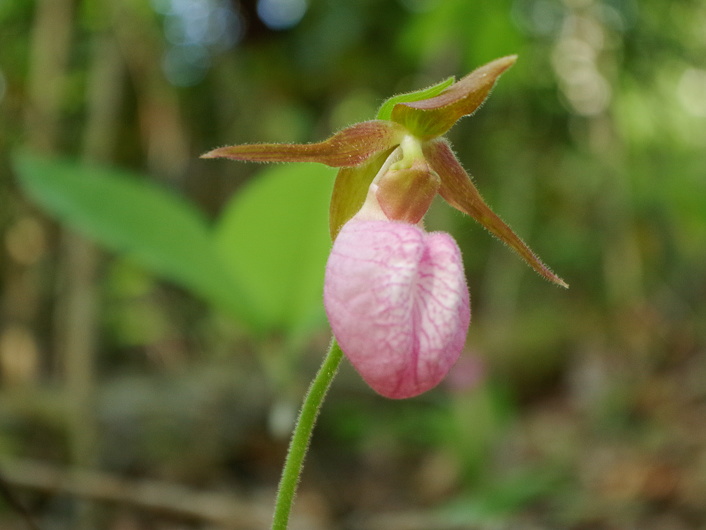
(164, 136)
(503, 272)
(78, 309)
(49, 51)
(76, 305)
(48, 61)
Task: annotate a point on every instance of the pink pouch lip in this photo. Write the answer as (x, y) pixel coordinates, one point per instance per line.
(398, 304)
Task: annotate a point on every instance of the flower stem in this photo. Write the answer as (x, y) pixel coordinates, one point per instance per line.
(302, 435)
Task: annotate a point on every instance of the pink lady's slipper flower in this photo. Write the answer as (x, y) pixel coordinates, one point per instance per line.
(397, 301)
(395, 295)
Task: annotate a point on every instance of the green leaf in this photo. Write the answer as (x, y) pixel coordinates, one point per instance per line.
(132, 216)
(385, 111)
(273, 235)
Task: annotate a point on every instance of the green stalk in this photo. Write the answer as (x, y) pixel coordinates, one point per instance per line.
(302, 435)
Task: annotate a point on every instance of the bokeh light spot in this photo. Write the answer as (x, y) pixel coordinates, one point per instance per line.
(19, 355)
(281, 14)
(195, 31)
(691, 91)
(25, 241)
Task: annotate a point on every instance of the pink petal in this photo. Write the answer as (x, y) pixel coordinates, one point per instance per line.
(398, 304)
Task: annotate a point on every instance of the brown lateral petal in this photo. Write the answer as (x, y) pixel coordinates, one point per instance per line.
(460, 192)
(430, 118)
(406, 194)
(346, 148)
(351, 189)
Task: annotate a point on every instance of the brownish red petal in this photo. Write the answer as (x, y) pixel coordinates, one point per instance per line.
(347, 148)
(460, 192)
(430, 118)
(405, 194)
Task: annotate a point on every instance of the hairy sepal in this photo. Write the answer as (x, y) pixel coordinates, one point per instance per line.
(347, 148)
(432, 117)
(458, 190)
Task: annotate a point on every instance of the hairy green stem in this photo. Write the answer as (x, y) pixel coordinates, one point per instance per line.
(302, 435)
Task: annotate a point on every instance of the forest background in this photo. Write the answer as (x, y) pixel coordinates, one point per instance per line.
(138, 389)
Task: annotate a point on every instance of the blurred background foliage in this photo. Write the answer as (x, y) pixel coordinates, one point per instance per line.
(160, 315)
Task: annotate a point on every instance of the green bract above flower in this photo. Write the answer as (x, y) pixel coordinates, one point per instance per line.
(406, 143)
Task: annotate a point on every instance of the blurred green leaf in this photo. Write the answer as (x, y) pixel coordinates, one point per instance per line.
(274, 238)
(159, 230)
(503, 495)
(476, 31)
